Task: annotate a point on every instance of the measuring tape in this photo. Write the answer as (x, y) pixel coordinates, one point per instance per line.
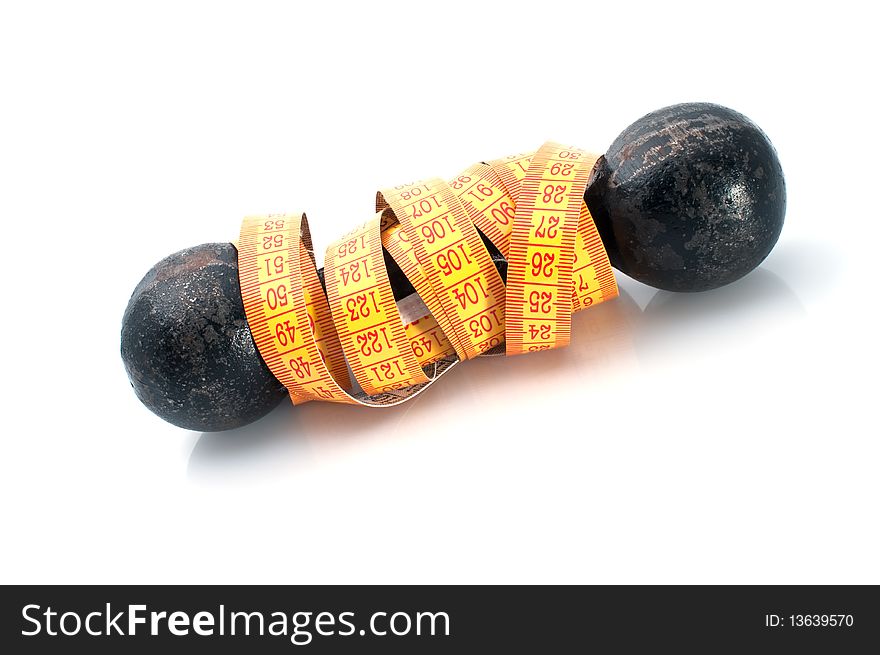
(529, 206)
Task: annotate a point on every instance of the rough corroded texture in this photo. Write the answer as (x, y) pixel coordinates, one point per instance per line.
(689, 198)
(187, 347)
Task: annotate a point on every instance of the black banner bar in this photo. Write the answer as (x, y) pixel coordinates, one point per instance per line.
(445, 619)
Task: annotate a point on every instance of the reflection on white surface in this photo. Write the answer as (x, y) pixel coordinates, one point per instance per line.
(756, 294)
(715, 319)
(612, 340)
(601, 340)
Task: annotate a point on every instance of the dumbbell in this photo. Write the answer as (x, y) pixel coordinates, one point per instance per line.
(688, 198)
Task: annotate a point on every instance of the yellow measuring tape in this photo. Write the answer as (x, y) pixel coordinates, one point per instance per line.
(529, 206)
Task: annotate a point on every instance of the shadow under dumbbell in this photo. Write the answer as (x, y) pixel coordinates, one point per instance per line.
(614, 338)
(257, 443)
(749, 308)
(601, 337)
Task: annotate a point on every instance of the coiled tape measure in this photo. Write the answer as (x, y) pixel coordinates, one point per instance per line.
(530, 206)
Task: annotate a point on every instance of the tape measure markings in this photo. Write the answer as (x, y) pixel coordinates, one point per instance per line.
(430, 229)
(512, 171)
(455, 261)
(396, 242)
(474, 187)
(539, 276)
(371, 332)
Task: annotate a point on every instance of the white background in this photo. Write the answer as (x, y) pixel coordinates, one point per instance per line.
(728, 436)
